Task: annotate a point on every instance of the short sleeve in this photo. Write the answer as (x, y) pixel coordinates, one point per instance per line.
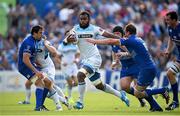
(123, 41)
(28, 48)
(114, 48)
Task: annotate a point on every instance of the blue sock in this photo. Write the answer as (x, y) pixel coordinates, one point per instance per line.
(131, 91)
(45, 92)
(175, 92)
(39, 96)
(155, 91)
(152, 102)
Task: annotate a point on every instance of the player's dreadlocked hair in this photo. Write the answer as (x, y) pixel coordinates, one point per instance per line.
(85, 13)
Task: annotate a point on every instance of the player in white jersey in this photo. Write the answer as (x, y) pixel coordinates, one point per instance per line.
(91, 58)
(68, 60)
(46, 65)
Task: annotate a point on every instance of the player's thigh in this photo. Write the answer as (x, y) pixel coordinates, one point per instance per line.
(49, 72)
(146, 76)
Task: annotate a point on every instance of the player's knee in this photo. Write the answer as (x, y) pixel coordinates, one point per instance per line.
(39, 83)
(48, 83)
(28, 84)
(125, 88)
(170, 74)
(81, 76)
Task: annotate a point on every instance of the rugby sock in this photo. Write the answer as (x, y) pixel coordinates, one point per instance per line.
(155, 91)
(175, 92)
(62, 99)
(131, 91)
(39, 96)
(28, 94)
(141, 100)
(45, 92)
(55, 97)
(59, 91)
(81, 89)
(109, 89)
(152, 102)
(69, 91)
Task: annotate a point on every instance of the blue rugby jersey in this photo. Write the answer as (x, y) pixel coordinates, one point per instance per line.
(174, 34)
(140, 51)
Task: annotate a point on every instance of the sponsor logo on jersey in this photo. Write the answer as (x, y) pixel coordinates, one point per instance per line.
(85, 36)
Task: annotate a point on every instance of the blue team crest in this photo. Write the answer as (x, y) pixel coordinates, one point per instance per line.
(170, 30)
(28, 47)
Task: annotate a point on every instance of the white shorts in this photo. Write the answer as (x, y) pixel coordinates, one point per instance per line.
(94, 62)
(50, 71)
(69, 70)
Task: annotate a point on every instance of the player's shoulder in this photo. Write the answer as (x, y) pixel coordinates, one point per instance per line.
(76, 27)
(178, 25)
(28, 39)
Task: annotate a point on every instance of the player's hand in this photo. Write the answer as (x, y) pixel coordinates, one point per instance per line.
(114, 65)
(46, 43)
(44, 37)
(121, 54)
(165, 53)
(71, 38)
(39, 75)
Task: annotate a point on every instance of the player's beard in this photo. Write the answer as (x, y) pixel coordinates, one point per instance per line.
(84, 26)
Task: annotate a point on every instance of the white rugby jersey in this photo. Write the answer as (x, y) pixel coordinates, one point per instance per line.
(42, 55)
(68, 52)
(87, 50)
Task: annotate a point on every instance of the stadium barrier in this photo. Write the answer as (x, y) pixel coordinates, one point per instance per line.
(13, 81)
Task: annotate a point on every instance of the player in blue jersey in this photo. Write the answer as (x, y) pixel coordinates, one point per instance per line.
(129, 69)
(27, 67)
(174, 33)
(91, 58)
(46, 65)
(146, 65)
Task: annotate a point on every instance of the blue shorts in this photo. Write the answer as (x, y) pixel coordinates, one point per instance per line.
(132, 71)
(146, 76)
(26, 72)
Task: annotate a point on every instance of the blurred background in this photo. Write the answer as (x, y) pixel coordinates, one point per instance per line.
(18, 16)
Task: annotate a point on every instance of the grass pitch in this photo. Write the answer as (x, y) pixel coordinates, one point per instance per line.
(96, 103)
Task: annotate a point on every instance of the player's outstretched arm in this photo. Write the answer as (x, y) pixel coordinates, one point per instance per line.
(109, 41)
(110, 35)
(26, 60)
(169, 49)
(50, 48)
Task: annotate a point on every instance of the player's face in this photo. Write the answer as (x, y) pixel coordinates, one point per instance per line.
(83, 21)
(39, 34)
(127, 34)
(169, 21)
(118, 33)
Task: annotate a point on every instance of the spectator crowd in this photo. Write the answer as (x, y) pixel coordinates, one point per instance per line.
(146, 15)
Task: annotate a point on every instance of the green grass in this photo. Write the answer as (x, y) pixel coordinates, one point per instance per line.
(96, 103)
(3, 15)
